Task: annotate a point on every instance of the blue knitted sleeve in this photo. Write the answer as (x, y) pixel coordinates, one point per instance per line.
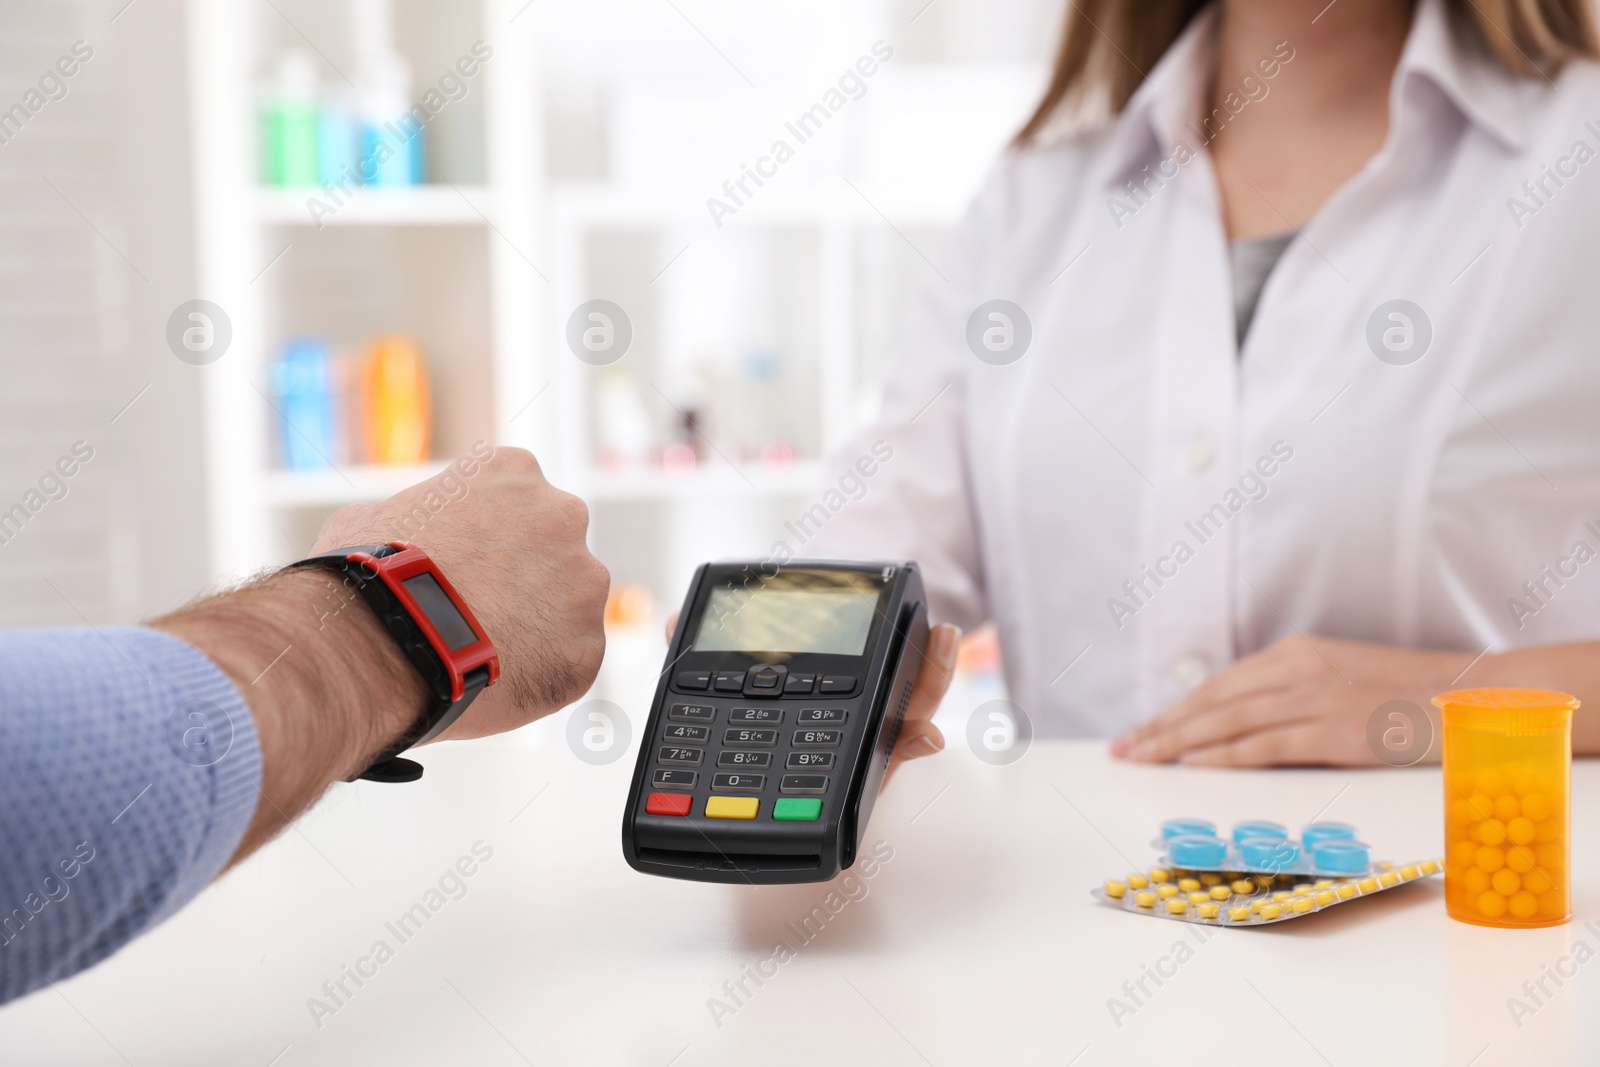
(129, 771)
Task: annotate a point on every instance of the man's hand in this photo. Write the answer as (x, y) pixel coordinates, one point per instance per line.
(918, 735)
(328, 689)
(1300, 701)
(513, 546)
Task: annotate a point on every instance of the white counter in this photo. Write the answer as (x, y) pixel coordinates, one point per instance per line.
(977, 942)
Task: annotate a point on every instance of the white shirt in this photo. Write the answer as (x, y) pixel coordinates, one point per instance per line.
(1407, 504)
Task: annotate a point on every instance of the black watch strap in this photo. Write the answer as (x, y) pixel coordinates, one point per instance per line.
(445, 704)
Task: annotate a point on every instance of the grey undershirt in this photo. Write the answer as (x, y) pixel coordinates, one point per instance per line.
(1253, 259)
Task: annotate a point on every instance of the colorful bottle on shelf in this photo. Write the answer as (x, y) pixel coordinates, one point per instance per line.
(391, 138)
(395, 392)
(308, 424)
(290, 123)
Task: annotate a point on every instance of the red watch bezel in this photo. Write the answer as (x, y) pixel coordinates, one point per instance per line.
(408, 562)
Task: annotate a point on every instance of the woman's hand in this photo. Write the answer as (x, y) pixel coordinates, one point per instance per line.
(1302, 700)
(918, 735)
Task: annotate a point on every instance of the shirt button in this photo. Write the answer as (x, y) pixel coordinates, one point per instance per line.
(1202, 450)
(1189, 671)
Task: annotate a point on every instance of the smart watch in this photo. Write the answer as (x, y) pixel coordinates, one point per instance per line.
(435, 630)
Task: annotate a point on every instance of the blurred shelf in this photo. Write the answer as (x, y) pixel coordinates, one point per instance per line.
(712, 482)
(421, 205)
(607, 206)
(335, 487)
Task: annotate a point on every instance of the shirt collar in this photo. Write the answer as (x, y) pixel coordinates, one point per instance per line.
(1164, 111)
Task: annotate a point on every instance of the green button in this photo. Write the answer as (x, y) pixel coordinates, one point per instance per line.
(797, 809)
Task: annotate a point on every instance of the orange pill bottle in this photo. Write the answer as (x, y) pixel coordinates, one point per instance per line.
(1507, 805)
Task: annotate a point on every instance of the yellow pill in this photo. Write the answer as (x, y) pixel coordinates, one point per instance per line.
(1347, 891)
(1282, 895)
(1536, 806)
(1389, 878)
(1506, 807)
(1553, 903)
(1207, 911)
(1145, 900)
(1482, 805)
(1547, 831)
(1551, 857)
(1324, 883)
(1271, 911)
(1430, 866)
(1521, 830)
(1240, 914)
(1303, 904)
(1115, 889)
(1491, 832)
(1386, 865)
(1491, 859)
(1177, 905)
(1244, 887)
(1463, 852)
(1304, 889)
(1220, 892)
(1199, 896)
(1188, 885)
(1260, 903)
(1326, 897)
(1159, 875)
(1491, 780)
(1505, 882)
(1368, 885)
(1519, 859)
(1524, 905)
(1460, 810)
(1167, 892)
(1475, 881)
(1536, 881)
(1492, 904)
(1408, 872)
(1211, 878)
(1138, 881)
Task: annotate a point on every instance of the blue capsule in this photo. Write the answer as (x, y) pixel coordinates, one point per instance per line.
(1257, 829)
(1174, 827)
(1342, 857)
(1326, 831)
(1269, 853)
(1197, 850)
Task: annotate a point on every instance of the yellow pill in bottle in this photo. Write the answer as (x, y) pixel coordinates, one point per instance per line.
(1326, 897)
(1389, 878)
(1244, 887)
(1207, 910)
(1188, 885)
(1177, 905)
(1515, 747)
(1303, 904)
(1138, 881)
(1145, 900)
(1271, 911)
(1115, 889)
(1167, 891)
(1240, 914)
(1220, 892)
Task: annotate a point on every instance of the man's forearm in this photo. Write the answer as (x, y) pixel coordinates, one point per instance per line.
(327, 688)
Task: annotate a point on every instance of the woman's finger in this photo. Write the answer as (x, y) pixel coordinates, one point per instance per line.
(1220, 724)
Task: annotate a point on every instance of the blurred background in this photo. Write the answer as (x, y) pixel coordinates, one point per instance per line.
(264, 258)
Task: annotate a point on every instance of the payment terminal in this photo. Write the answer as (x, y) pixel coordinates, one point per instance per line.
(782, 697)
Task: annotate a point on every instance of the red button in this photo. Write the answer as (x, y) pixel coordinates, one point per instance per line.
(667, 804)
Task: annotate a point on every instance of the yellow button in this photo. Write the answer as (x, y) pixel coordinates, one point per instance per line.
(732, 807)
